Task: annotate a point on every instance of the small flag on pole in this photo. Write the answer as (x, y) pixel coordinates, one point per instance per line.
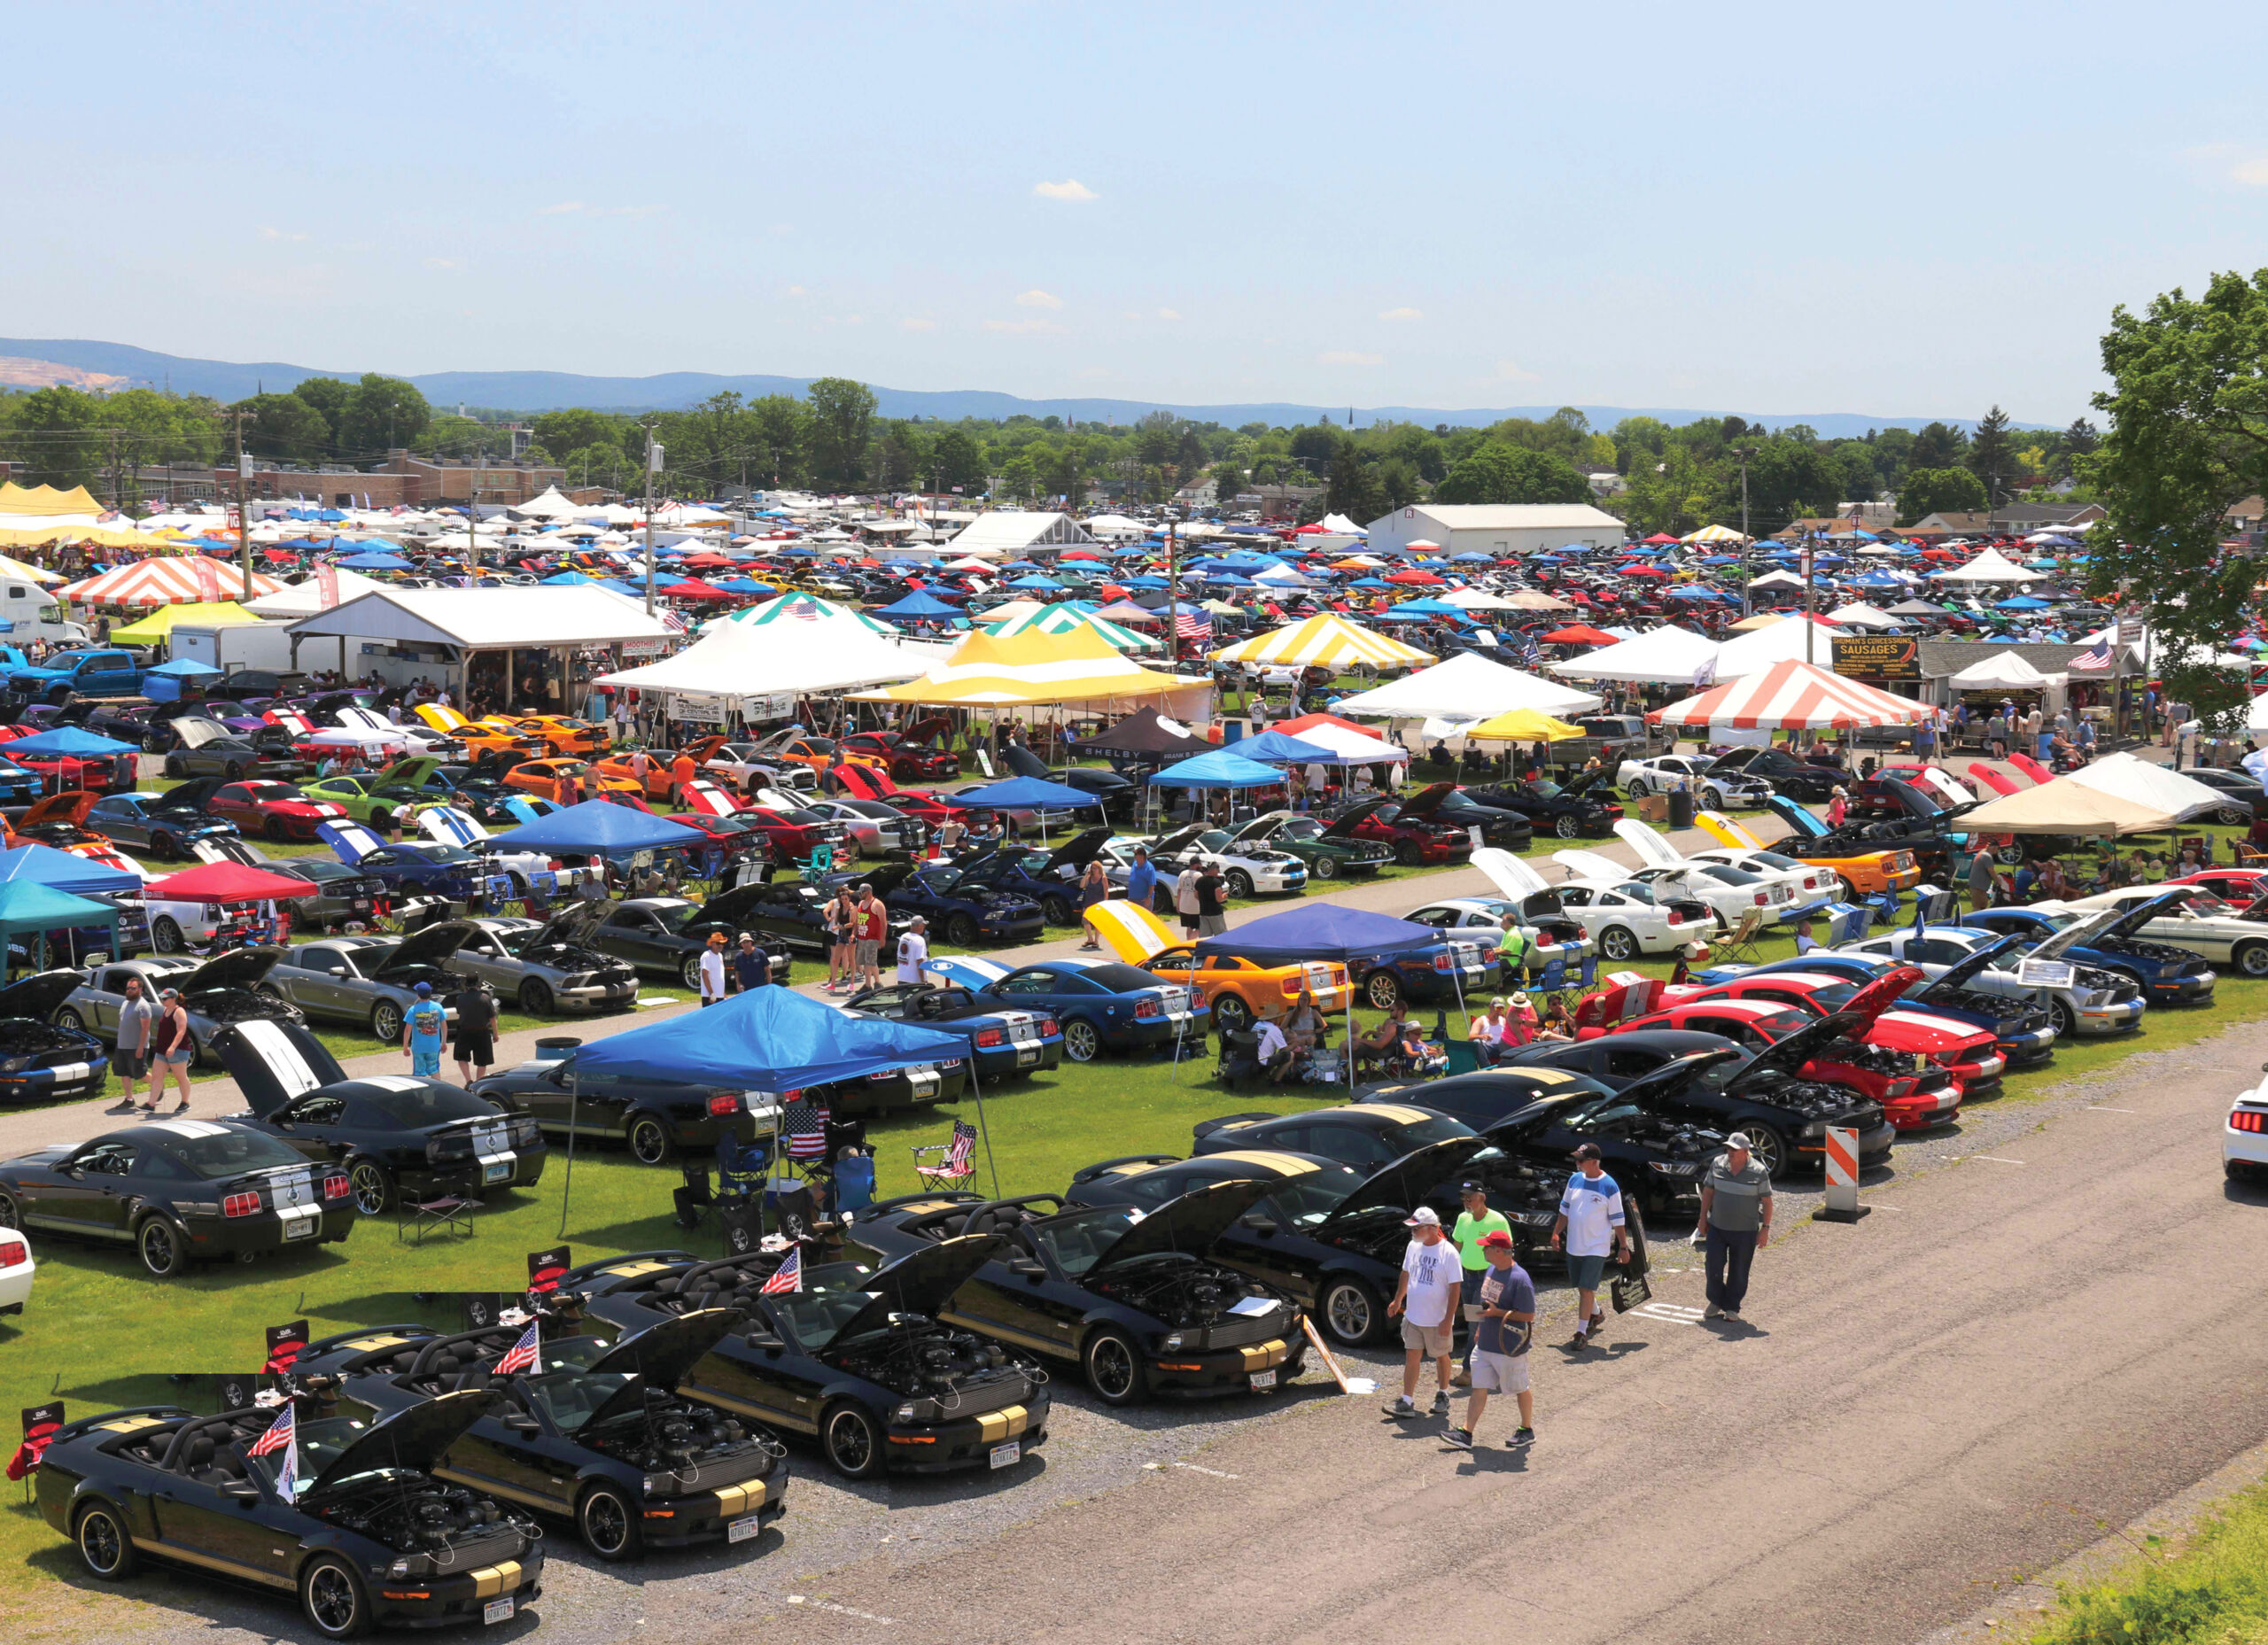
(283, 1435)
(525, 1353)
(788, 1276)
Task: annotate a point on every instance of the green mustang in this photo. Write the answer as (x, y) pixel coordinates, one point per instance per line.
(1327, 855)
(366, 799)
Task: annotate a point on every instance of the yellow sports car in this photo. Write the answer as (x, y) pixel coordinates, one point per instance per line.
(1236, 991)
(559, 733)
(480, 735)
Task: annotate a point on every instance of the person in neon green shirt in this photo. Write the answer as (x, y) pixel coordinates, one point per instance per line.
(1473, 1222)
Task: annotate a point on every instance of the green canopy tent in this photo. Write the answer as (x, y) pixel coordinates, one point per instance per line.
(27, 906)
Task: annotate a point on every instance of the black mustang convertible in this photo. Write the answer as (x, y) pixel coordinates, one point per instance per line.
(368, 1536)
(592, 1432)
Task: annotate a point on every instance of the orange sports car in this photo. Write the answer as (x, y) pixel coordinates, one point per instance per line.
(661, 781)
(541, 778)
(480, 735)
(1863, 873)
(558, 732)
(1236, 991)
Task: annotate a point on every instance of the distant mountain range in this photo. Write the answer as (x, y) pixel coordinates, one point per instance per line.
(34, 363)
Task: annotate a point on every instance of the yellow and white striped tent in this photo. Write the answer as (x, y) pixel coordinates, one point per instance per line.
(1064, 616)
(1328, 640)
(1714, 534)
(1032, 668)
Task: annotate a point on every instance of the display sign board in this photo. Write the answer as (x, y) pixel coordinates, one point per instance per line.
(1878, 656)
(2046, 972)
(698, 710)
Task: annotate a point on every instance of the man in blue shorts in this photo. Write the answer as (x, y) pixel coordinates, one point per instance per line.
(422, 1027)
(1589, 1228)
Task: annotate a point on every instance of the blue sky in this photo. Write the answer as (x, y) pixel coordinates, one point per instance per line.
(1919, 209)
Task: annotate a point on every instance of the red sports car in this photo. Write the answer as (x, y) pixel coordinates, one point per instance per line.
(1415, 839)
(1971, 1055)
(1913, 1094)
(2240, 888)
(794, 834)
(864, 782)
(905, 759)
(275, 809)
(99, 774)
(739, 832)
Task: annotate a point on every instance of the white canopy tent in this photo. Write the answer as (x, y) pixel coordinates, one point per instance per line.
(1863, 616)
(1350, 748)
(1669, 655)
(750, 665)
(2125, 777)
(1991, 566)
(1754, 652)
(2004, 671)
(1468, 686)
(304, 599)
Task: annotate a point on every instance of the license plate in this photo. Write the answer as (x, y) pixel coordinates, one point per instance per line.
(1008, 1455)
(1027, 1055)
(741, 1529)
(501, 1172)
(496, 1610)
(300, 1227)
(359, 905)
(1263, 1380)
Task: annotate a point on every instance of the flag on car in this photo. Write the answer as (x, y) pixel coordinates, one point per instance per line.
(283, 1435)
(525, 1353)
(788, 1276)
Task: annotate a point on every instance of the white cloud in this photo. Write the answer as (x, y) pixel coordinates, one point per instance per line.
(560, 210)
(1509, 371)
(1024, 328)
(914, 322)
(443, 262)
(1401, 314)
(1349, 357)
(1070, 188)
(795, 291)
(1037, 299)
(2253, 173)
(278, 234)
(1167, 314)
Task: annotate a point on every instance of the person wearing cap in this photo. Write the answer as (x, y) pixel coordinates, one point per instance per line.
(751, 965)
(1590, 1225)
(1512, 948)
(1504, 1327)
(712, 971)
(1736, 1223)
(1486, 1035)
(422, 1026)
(472, 1033)
(1475, 1222)
(1426, 1298)
(171, 1046)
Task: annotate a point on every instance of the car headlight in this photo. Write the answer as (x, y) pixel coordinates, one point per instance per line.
(15, 1065)
(414, 1565)
(1173, 1341)
(1817, 1127)
(1673, 1168)
(659, 1485)
(915, 1411)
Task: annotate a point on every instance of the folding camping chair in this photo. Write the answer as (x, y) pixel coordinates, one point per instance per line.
(946, 1165)
(1740, 942)
(414, 1219)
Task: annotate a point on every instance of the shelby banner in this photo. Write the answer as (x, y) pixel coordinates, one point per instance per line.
(1878, 656)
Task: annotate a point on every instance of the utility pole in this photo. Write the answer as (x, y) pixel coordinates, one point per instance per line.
(1173, 601)
(244, 504)
(1748, 544)
(653, 466)
(1811, 628)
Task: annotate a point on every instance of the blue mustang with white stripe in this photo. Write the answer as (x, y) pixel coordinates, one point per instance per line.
(40, 1061)
(1101, 1004)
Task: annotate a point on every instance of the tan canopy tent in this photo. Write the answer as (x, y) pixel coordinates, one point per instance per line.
(2066, 806)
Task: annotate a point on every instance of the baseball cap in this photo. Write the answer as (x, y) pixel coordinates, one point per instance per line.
(424, 989)
(1470, 1186)
(1738, 1139)
(1587, 1151)
(1424, 1217)
(169, 993)
(1498, 1237)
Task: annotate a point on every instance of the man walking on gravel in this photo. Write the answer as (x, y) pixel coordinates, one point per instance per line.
(1500, 1342)
(1474, 1223)
(1736, 1223)
(1589, 1226)
(1432, 1282)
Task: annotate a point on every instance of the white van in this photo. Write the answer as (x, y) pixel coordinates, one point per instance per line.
(32, 613)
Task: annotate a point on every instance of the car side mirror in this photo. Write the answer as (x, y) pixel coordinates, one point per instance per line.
(1261, 1225)
(74, 1172)
(1028, 1267)
(519, 1422)
(240, 1491)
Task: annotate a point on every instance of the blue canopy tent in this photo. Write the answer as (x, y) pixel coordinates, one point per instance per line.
(570, 579)
(601, 828)
(767, 1040)
(1275, 745)
(376, 560)
(69, 741)
(1217, 768)
(1324, 931)
(27, 906)
(184, 667)
(1026, 794)
(920, 605)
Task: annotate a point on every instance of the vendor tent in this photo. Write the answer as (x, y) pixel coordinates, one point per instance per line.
(1522, 726)
(29, 909)
(1145, 731)
(1063, 616)
(43, 865)
(800, 608)
(229, 883)
(1991, 566)
(166, 580)
(1326, 641)
(1466, 687)
(1341, 744)
(2003, 671)
(1284, 750)
(304, 599)
(200, 613)
(1033, 668)
(1795, 639)
(1665, 655)
(738, 664)
(1795, 696)
(1319, 931)
(2125, 777)
(2069, 806)
(71, 742)
(1217, 768)
(1022, 793)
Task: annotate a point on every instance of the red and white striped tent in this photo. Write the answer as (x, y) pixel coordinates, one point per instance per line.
(1796, 696)
(168, 579)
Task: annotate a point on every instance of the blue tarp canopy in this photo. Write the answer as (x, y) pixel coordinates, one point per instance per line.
(1319, 931)
(43, 865)
(184, 665)
(69, 739)
(1275, 745)
(571, 579)
(376, 560)
(1220, 768)
(27, 908)
(1024, 794)
(921, 604)
(769, 1039)
(601, 825)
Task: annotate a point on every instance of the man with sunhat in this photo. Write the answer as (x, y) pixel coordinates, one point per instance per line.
(1736, 1223)
(1500, 1341)
(1426, 1298)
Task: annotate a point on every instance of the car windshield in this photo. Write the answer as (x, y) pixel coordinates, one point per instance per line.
(1434, 1128)
(1305, 1200)
(570, 1397)
(1773, 859)
(1076, 1240)
(1299, 828)
(817, 1315)
(229, 1153)
(1725, 875)
(1119, 979)
(673, 912)
(939, 879)
(431, 1104)
(273, 791)
(320, 1444)
(1636, 892)
(1545, 790)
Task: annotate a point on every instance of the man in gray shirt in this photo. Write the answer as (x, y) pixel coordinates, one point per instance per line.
(136, 1018)
(1736, 1223)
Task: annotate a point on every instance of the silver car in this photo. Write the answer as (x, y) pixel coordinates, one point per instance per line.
(878, 830)
(370, 979)
(227, 989)
(546, 967)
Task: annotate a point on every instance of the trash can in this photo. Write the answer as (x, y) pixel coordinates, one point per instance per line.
(555, 1050)
(1681, 807)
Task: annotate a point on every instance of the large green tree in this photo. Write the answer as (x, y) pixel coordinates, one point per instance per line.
(1992, 455)
(329, 395)
(1500, 471)
(842, 422)
(58, 434)
(284, 427)
(381, 414)
(778, 427)
(956, 462)
(1925, 491)
(1353, 488)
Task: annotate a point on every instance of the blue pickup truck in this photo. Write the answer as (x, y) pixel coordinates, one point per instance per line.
(90, 674)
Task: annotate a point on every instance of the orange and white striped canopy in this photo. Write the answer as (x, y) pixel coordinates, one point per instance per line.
(1796, 696)
(166, 580)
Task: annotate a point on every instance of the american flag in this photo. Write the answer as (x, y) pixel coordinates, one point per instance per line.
(525, 1353)
(671, 620)
(788, 1277)
(1199, 626)
(2098, 657)
(283, 1435)
(805, 1123)
(964, 1141)
(804, 612)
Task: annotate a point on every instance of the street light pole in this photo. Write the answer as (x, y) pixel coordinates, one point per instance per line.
(653, 462)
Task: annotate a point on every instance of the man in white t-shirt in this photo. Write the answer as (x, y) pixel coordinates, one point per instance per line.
(1431, 1286)
(712, 971)
(912, 950)
(1590, 1225)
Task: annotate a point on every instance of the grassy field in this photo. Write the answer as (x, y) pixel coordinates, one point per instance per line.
(2213, 1590)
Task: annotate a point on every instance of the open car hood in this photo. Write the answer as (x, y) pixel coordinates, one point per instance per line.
(2080, 933)
(1023, 763)
(1591, 866)
(431, 945)
(446, 825)
(350, 841)
(1425, 802)
(1076, 852)
(273, 1062)
(886, 877)
(238, 968)
(1653, 850)
(1960, 976)
(1791, 1051)
(1584, 782)
(1672, 1074)
(1516, 879)
(447, 721)
(197, 730)
(572, 926)
(36, 997)
(1880, 994)
(227, 848)
(59, 808)
(661, 1355)
(1191, 1223)
(415, 1438)
(1132, 932)
(1180, 840)
(1725, 832)
(1801, 822)
(1354, 817)
(922, 1281)
(2136, 915)
(1402, 1182)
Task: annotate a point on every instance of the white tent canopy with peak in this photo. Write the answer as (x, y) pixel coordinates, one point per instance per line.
(1666, 655)
(2004, 671)
(1468, 686)
(1991, 566)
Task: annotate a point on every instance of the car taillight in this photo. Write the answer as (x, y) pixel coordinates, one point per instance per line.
(336, 1188)
(557, 866)
(2243, 1120)
(990, 1036)
(1151, 1008)
(241, 1205)
(1675, 918)
(13, 1252)
(1047, 1027)
(723, 1104)
(1444, 962)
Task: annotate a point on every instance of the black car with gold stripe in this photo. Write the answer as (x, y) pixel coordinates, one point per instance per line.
(363, 1534)
(857, 1358)
(1132, 1300)
(592, 1432)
